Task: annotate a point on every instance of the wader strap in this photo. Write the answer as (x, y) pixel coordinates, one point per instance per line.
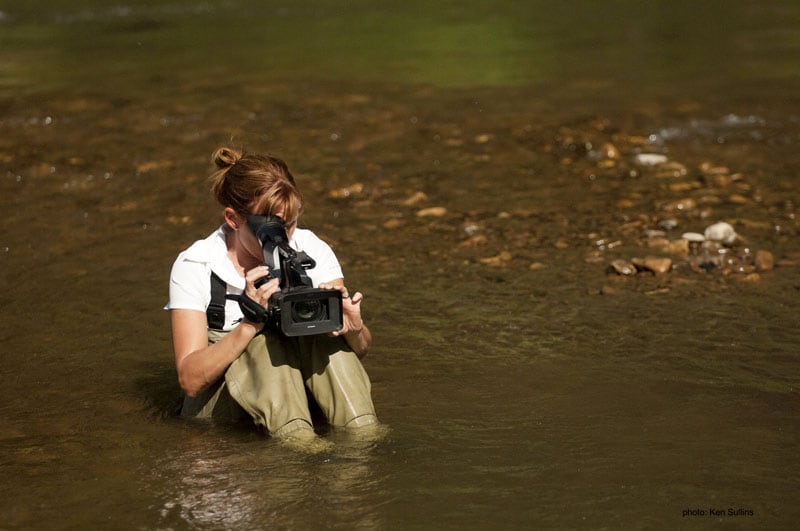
(215, 314)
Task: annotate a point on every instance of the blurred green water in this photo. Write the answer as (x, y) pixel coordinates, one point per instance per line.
(113, 46)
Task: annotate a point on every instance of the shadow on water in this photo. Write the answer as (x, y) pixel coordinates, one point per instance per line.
(475, 170)
(157, 385)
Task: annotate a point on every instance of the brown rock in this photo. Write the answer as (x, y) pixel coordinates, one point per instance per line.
(738, 199)
(415, 199)
(625, 203)
(764, 260)
(681, 205)
(709, 169)
(609, 151)
(683, 186)
(501, 259)
(670, 169)
(392, 223)
(608, 290)
(475, 241)
(720, 181)
(346, 191)
(435, 212)
(679, 247)
(622, 267)
(653, 264)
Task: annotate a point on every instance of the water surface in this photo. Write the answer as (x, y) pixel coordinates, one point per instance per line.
(524, 385)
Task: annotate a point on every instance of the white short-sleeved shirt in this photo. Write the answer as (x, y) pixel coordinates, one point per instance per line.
(190, 279)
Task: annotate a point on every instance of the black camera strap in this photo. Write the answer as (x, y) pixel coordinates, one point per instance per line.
(215, 313)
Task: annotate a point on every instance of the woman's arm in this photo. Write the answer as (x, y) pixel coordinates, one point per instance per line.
(200, 364)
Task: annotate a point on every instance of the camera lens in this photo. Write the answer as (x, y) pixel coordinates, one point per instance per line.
(304, 311)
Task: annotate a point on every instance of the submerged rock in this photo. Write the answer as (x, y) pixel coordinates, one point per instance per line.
(764, 261)
(693, 237)
(622, 267)
(650, 159)
(435, 212)
(653, 264)
(501, 259)
(346, 191)
(415, 199)
(721, 232)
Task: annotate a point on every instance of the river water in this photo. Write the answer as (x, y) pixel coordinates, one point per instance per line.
(474, 166)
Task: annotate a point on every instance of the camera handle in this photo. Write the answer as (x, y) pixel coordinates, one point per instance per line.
(252, 311)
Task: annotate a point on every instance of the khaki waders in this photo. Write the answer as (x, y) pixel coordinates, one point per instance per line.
(268, 382)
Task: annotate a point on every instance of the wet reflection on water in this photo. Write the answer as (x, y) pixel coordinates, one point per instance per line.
(522, 382)
(244, 483)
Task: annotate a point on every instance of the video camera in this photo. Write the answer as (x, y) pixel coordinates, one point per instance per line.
(298, 309)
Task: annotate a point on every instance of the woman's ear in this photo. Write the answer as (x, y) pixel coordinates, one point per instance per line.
(232, 219)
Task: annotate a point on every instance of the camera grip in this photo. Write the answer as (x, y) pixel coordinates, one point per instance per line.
(252, 311)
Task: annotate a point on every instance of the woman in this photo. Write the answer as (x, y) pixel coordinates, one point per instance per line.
(227, 365)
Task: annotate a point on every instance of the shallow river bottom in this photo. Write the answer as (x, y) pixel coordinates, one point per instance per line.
(522, 389)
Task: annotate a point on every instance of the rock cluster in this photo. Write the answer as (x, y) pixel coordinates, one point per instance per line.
(719, 248)
(618, 200)
(657, 197)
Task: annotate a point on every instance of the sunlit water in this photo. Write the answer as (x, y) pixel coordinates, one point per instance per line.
(523, 386)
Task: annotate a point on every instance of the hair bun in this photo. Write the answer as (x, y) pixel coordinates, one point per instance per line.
(226, 157)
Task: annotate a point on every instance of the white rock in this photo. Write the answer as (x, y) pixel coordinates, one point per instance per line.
(650, 159)
(695, 237)
(721, 232)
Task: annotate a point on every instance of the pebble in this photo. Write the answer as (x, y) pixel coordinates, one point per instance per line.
(392, 223)
(154, 165)
(622, 267)
(608, 290)
(674, 247)
(347, 191)
(684, 186)
(435, 212)
(609, 151)
(681, 205)
(693, 237)
(709, 169)
(738, 199)
(650, 159)
(475, 241)
(653, 264)
(498, 260)
(669, 170)
(721, 232)
(764, 261)
(415, 199)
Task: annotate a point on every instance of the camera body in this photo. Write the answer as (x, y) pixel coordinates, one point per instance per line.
(298, 309)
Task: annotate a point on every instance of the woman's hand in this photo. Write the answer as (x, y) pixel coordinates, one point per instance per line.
(261, 294)
(354, 330)
(351, 309)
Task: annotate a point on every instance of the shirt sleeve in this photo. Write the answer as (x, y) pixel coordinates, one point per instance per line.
(189, 286)
(328, 267)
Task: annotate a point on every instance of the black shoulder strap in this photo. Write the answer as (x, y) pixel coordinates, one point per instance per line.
(215, 313)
